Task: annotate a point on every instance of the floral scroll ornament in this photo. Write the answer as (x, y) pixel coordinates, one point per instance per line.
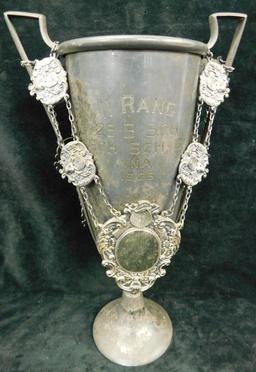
(193, 164)
(76, 163)
(142, 217)
(48, 81)
(214, 83)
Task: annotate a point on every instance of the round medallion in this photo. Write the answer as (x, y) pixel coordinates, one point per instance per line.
(137, 249)
(48, 81)
(77, 163)
(193, 164)
(214, 82)
(136, 256)
(141, 218)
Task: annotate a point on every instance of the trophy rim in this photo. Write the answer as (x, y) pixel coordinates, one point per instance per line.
(132, 42)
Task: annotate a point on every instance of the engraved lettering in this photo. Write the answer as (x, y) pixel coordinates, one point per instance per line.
(169, 110)
(127, 104)
(147, 148)
(134, 163)
(151, 131)
(138, 163)
(110, 130)
(143, 106)
(135, 148)
(129, 131)
(146, 164)
(145, 176)
(147, 105)
(156, 107)
(134, 176)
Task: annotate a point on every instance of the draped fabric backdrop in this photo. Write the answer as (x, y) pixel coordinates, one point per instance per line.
(51, 280)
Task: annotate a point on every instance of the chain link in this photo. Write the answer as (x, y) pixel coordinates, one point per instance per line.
(97, 180)
(27, 63)
(82, 209)
(169, 212)
(71, 117)
(185, 206)
(90, 207)
(99, 185)
(55, 124)
(197, 120)
(54, 50)
(210, 120)
(83, 218)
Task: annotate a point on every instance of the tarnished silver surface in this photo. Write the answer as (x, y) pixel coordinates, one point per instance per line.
(136, 246)
(193, 165)
(49, 81)
(136, 125)
(77, 163)
(134, 102)
(214, 82)
(125, 42)
(132, 331)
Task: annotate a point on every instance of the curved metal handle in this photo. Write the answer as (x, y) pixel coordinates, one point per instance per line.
(214, 29)
(42, 26)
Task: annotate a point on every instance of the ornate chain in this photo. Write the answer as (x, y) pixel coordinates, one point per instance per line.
(212, 112)
(112, 210)
(55, 124)
(96, 222)
(184, 208)
(197, 120)
(71, 118)
(169, 212)
(213, 88)
(194, 161)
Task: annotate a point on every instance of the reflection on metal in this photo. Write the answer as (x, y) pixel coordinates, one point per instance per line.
(48, 81)
(214, 29)
(214, 82)
(77, 164)
(134, 100)
(136, 246)
(193, 165)
(132, 331)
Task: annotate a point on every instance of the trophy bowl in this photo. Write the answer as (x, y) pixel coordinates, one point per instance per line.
(141, 110)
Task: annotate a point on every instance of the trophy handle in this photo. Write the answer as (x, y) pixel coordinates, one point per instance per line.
(42, 26)
(214, 30)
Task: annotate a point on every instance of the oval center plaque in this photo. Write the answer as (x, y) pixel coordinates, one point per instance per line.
(138, 249)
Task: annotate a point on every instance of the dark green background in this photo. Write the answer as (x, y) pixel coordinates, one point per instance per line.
(52, 283)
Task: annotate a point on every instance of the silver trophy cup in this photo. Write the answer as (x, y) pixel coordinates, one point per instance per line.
(136, 106)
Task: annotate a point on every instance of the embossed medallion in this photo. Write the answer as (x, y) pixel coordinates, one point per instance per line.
(193, 164)
(77, 164)
(136, 246)
(214, 83)
(48, 81)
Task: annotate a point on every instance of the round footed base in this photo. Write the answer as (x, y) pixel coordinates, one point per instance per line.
(132, 331)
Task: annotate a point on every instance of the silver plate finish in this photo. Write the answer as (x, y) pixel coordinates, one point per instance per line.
(109, 239)
(214, 82)
(193, 165)
(77, 164)
(126, 42)
(49, 81)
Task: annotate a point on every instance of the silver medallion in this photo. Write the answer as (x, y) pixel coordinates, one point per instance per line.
(48, 81)
(214, 83)
(136, 246)
(77, 164)
(193, 164)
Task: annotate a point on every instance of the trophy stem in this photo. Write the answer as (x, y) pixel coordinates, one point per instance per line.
(132, 330)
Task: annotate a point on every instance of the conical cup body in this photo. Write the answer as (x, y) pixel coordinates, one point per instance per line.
(134, 110)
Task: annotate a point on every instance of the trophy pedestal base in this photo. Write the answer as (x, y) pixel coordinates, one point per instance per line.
(132, 331)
